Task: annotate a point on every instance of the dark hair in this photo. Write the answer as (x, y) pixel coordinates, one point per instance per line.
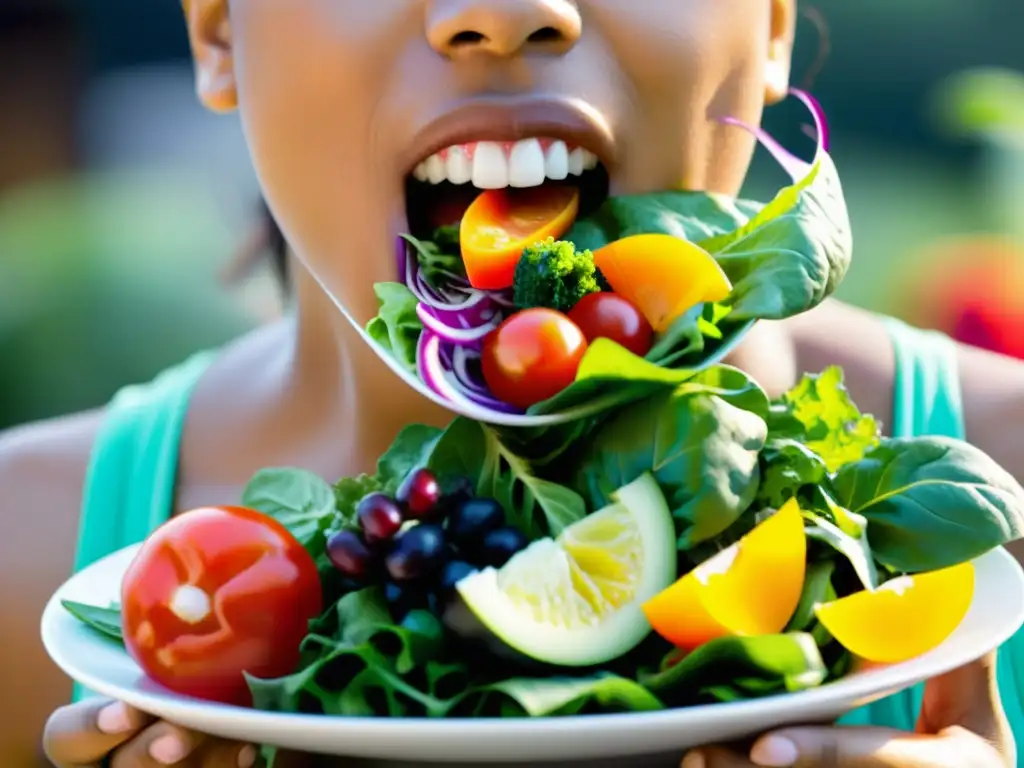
(277, 247)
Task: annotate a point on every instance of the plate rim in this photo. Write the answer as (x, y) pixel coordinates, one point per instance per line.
(832, 695)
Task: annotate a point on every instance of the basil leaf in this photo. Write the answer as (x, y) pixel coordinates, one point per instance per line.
(700, 441)
(106, 621)
(301, 501)
(931, 502)
(731, 668)
(396, 328)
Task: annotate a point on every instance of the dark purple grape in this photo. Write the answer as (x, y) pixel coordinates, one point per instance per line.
(402, 599)
(456, 491)
(380, 517)
(499, 546)
(473, 519)
(417, 552)
(452, 573)
(420, 493)
(349, 554)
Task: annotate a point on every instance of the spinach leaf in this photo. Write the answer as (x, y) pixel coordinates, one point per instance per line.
(819, 413)
(787, 467)
(732, 668)
(546, 697)
(474, 450)
(700, 441)
(106, 621)
(409, 450)
(791, 256)
(396, 328)
(301, 501)
(854, 546)
(610, 376)
(693, 216)
(931, 502)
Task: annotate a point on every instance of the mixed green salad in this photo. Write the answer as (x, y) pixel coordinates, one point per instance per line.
(683, 538)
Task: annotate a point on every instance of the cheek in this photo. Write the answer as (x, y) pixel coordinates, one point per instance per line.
(309, 104)
(699, 60)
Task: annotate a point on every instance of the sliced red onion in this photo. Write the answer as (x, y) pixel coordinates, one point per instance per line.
(793, 165)
(460, 370)
(450, 334)
(402, 258)
(435, 376)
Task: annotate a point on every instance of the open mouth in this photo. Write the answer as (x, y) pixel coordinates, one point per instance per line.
(442, 186)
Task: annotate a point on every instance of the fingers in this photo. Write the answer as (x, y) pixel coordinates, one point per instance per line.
(715, 757)
(164, 744)
(84, 733)
(872, 748)
(967, 697)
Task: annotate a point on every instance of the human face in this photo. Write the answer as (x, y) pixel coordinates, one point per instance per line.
(340, 100)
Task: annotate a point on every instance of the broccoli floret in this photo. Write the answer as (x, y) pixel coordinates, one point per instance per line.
(553, 274)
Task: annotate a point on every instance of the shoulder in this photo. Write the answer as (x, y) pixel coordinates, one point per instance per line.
(42, 470)
(993, 394)
(48, 456)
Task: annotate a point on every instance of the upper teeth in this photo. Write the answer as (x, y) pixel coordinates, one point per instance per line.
(496, 165)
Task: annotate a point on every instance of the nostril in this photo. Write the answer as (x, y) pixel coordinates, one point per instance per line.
(467, 37)
(546, 35)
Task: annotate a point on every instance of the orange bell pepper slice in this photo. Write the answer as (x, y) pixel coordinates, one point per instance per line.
(501, 223)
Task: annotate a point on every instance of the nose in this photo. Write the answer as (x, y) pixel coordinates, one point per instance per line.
(502, 27)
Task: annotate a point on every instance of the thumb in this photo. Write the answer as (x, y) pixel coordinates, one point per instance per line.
(84, 733)
(968, 698)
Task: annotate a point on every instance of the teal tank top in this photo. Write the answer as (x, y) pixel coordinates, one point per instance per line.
(130, 484)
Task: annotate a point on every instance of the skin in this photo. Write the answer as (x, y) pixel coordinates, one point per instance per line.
(333, 95)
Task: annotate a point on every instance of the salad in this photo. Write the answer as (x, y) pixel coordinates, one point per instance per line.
(553, 300)
(683, 538)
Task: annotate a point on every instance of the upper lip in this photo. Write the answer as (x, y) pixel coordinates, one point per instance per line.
(511, 119)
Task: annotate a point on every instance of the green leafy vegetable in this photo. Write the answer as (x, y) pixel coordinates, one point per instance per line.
(439, 258)
(411, 449)
(302, 502)
(475, 451)
(545, 697)
(819, 414)
(700, 441)
(692, 216)
(790, 256)
(931, 502)
(732, 668)
(396, 328)
(106, 621)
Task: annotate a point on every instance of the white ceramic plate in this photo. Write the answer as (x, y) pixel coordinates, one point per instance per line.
(103, 666)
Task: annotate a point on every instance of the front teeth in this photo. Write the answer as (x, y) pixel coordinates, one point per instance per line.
(492, 165)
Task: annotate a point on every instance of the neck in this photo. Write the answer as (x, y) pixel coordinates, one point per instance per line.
(338, 380)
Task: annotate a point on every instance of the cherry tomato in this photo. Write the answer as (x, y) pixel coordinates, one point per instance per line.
(214, 593)
(532, 356)
(609, 316)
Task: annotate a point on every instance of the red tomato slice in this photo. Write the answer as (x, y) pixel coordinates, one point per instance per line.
(500, 223)
(214, 593)
(532, 356)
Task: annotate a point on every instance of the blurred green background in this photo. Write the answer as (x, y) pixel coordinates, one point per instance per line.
(121, 201)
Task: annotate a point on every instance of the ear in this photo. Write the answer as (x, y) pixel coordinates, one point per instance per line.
(209, 32)
(780, 50)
